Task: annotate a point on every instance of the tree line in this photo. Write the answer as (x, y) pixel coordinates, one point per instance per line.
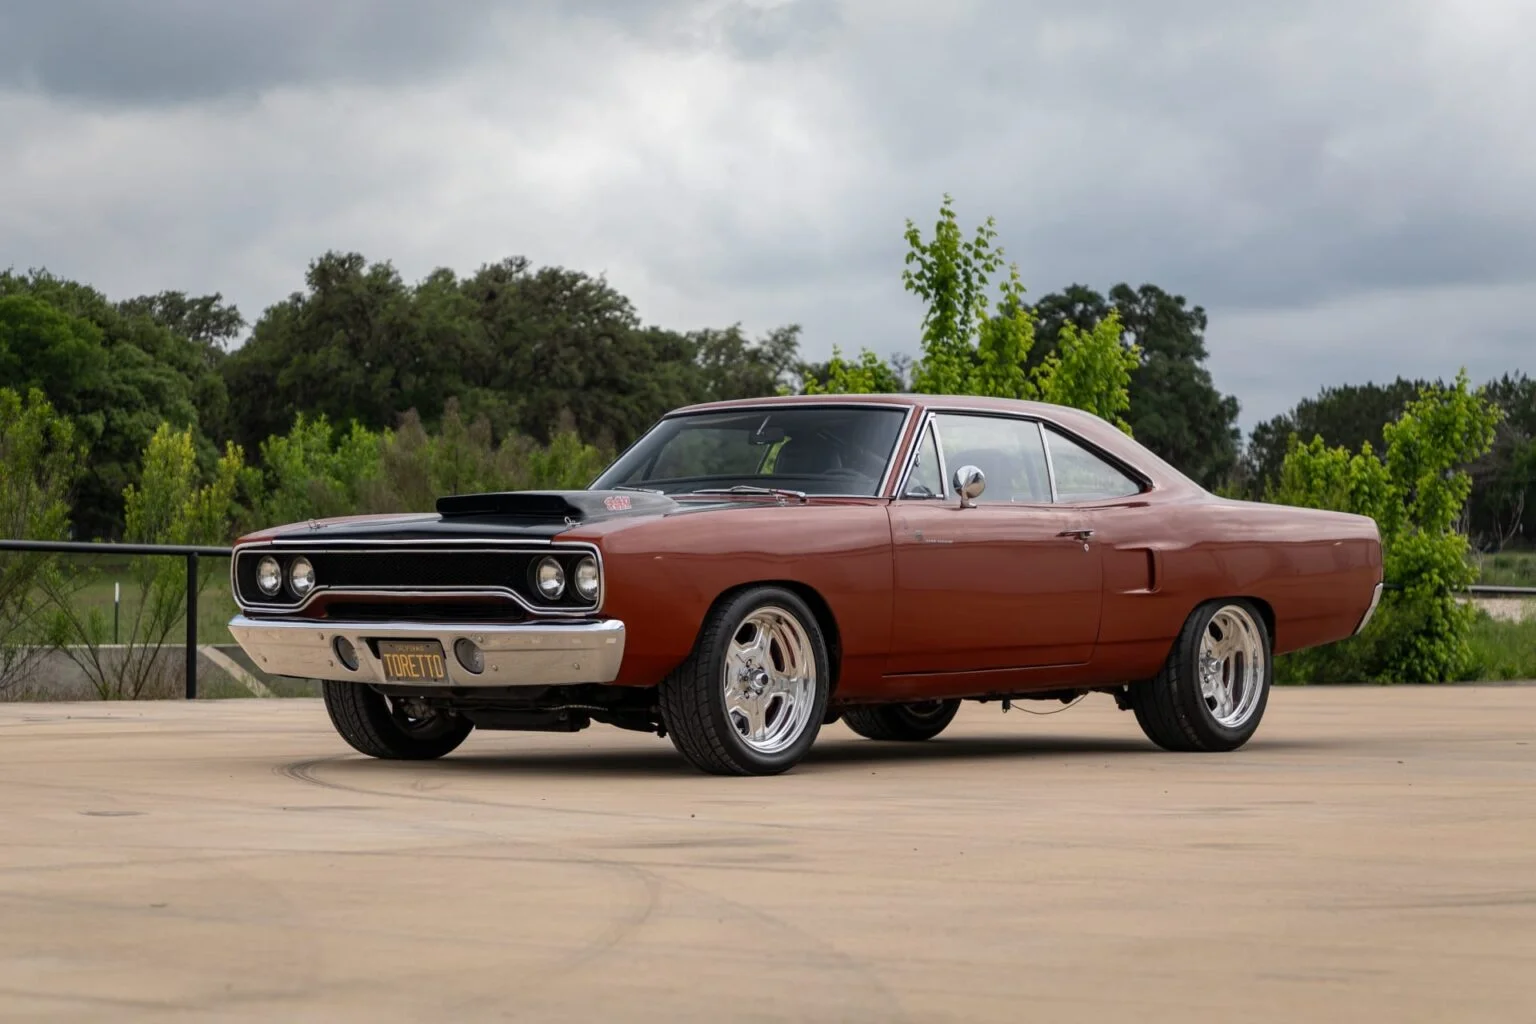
(364, 392)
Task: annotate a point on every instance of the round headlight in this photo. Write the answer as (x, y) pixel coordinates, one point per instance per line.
(269, 576)
(301, 576)
(586, 578)
(550, 579)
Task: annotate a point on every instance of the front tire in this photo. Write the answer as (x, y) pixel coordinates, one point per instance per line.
(751, 697)
(902, 722)
(1212, 690)
(391, 728)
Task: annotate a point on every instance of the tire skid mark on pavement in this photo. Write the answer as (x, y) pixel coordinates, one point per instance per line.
(889, 1010)
(304, 771)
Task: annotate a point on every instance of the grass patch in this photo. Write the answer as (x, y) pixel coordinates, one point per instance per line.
(1507, 569)
(1502, 650)
(215, 606)
(94, 577)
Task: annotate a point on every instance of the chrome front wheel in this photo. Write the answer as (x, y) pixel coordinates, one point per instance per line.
(752, 696)
(769, 679)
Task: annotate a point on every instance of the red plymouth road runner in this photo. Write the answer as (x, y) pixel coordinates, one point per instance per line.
(749, 571)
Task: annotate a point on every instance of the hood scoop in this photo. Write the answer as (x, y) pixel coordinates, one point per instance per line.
(559, 506)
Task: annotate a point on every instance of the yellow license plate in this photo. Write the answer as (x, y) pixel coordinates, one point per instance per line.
(413, 661)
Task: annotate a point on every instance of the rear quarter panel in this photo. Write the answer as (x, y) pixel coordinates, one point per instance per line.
(663, 574)
(1314, 570)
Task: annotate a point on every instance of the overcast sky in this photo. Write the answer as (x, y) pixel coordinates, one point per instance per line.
(1345, 186)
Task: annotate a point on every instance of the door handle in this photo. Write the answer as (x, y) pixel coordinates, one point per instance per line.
(1079, 534)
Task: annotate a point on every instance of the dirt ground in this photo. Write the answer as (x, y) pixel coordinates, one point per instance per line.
(1371, 856)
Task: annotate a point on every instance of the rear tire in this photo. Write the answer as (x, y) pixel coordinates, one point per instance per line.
(1214, 687)
(902, 722)
(751, 697)
(383, 727)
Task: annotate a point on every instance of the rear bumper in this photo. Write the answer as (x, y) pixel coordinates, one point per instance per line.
(529, 654)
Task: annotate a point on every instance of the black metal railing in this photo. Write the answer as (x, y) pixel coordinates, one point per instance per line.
(191, 552)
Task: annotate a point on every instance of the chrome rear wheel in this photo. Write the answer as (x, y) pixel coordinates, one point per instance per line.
(1233, 662)
(1211, 692)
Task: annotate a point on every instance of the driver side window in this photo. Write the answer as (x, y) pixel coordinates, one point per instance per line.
(1009, 452)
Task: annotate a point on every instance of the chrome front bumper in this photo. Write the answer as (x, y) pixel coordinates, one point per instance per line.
(541, 654)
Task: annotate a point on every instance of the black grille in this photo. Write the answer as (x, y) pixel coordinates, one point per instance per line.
(425, 570)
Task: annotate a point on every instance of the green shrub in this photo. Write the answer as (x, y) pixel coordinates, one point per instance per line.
(169, 505)
(1416, 495)
(417, 467)
(313, 472)
(40, 460)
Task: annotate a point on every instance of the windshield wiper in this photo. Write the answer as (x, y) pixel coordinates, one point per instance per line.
(777, 492)
(641, 490)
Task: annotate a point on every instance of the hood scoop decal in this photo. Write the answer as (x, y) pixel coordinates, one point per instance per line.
(559, 506)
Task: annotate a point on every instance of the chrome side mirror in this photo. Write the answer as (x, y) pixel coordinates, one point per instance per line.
(969, 483)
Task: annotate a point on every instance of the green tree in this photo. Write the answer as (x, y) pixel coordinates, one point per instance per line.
(978, 333)
(40, 460)
(117, 374)
(951, 275)
(358, 344)
(1502, 509)
(314, 471)
(418, 467)
(525, 348)
(168, 505)
(1416, 495)
(1175, 408)
(1348, 415)
(730, 365)
(1090, 370)
(870, 375)
(205, 319)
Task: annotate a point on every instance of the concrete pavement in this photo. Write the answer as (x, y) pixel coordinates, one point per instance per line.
(1370, 856)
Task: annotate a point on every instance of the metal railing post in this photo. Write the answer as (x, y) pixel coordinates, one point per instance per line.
(191, 625)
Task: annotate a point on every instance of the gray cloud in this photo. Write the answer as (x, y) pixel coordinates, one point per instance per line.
(153, 51)
(1343, 188)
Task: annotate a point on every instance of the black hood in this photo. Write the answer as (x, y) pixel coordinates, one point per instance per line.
(536, 514)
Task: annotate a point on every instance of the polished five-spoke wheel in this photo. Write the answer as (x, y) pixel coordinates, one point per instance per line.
(1212, 690)
(751, 697)
(769, 679)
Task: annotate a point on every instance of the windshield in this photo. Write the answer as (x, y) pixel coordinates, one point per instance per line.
(815, 449)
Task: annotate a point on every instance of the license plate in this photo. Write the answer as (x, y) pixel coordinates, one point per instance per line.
(413, 661)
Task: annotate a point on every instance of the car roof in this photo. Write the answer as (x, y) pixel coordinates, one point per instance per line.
(903, 399)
